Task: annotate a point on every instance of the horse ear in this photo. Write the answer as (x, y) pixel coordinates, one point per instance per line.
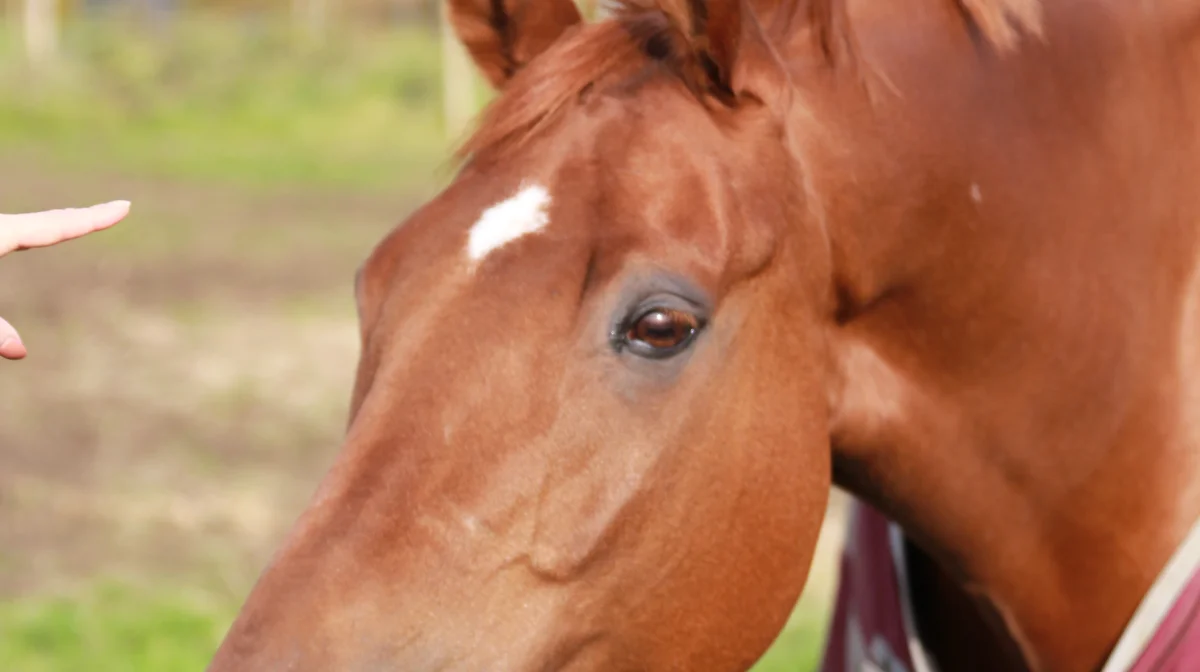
(742, 59)
(728, 48)
(503, 35)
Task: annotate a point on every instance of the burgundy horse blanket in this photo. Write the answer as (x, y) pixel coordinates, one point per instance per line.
(873, 629)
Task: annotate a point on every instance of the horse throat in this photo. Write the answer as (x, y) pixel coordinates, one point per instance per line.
(1026, 514)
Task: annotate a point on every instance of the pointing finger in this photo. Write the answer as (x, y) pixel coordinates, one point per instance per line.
(42, 229)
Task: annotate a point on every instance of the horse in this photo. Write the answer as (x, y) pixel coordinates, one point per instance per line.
(1016, 237)
(586, 369)
(703, 261)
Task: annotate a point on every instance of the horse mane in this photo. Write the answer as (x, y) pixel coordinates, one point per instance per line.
(1000, 22)
(1003, 21)
(656, 36)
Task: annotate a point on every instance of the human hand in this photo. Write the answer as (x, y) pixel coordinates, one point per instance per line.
(43, 229)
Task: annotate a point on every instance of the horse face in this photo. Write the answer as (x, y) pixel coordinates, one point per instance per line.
(588, 428)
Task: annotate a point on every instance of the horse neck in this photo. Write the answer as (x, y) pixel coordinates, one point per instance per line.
(1017, 263)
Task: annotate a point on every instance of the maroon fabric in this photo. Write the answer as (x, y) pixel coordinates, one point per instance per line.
(867, 631)
(1176, 645)
(868, 634)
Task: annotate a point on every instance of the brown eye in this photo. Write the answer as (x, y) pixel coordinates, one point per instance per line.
(662, 329)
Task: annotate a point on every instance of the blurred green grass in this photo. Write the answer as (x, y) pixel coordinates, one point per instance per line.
(115, 627)
(110, 628)
(233, 99)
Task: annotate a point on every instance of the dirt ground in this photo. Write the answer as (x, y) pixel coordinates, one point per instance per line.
(187, 382)
(187, 378)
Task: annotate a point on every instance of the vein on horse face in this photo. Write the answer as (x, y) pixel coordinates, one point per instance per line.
(508, 220)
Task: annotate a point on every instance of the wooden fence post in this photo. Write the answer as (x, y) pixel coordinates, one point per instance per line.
(40, 23)
(458, 78)
(311, 16)
(458, 73)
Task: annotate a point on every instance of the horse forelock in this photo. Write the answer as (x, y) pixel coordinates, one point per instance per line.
(642, 36)
(659, 36)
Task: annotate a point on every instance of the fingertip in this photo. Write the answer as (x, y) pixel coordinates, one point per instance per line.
(113, 211)
(13, 348)
(117, 206)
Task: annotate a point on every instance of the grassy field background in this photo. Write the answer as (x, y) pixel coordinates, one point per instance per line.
(189, 369)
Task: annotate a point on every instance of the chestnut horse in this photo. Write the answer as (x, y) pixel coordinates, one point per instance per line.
(1015, 228)
(695, 247)
(588, 429)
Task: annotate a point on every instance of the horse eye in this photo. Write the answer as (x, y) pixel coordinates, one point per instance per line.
(661, 332)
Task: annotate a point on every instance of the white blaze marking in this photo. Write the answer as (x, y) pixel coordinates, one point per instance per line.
(508, 220)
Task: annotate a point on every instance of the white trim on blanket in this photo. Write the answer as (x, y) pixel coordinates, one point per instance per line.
(1157, 603)
(1143, 625)
(922, 662)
